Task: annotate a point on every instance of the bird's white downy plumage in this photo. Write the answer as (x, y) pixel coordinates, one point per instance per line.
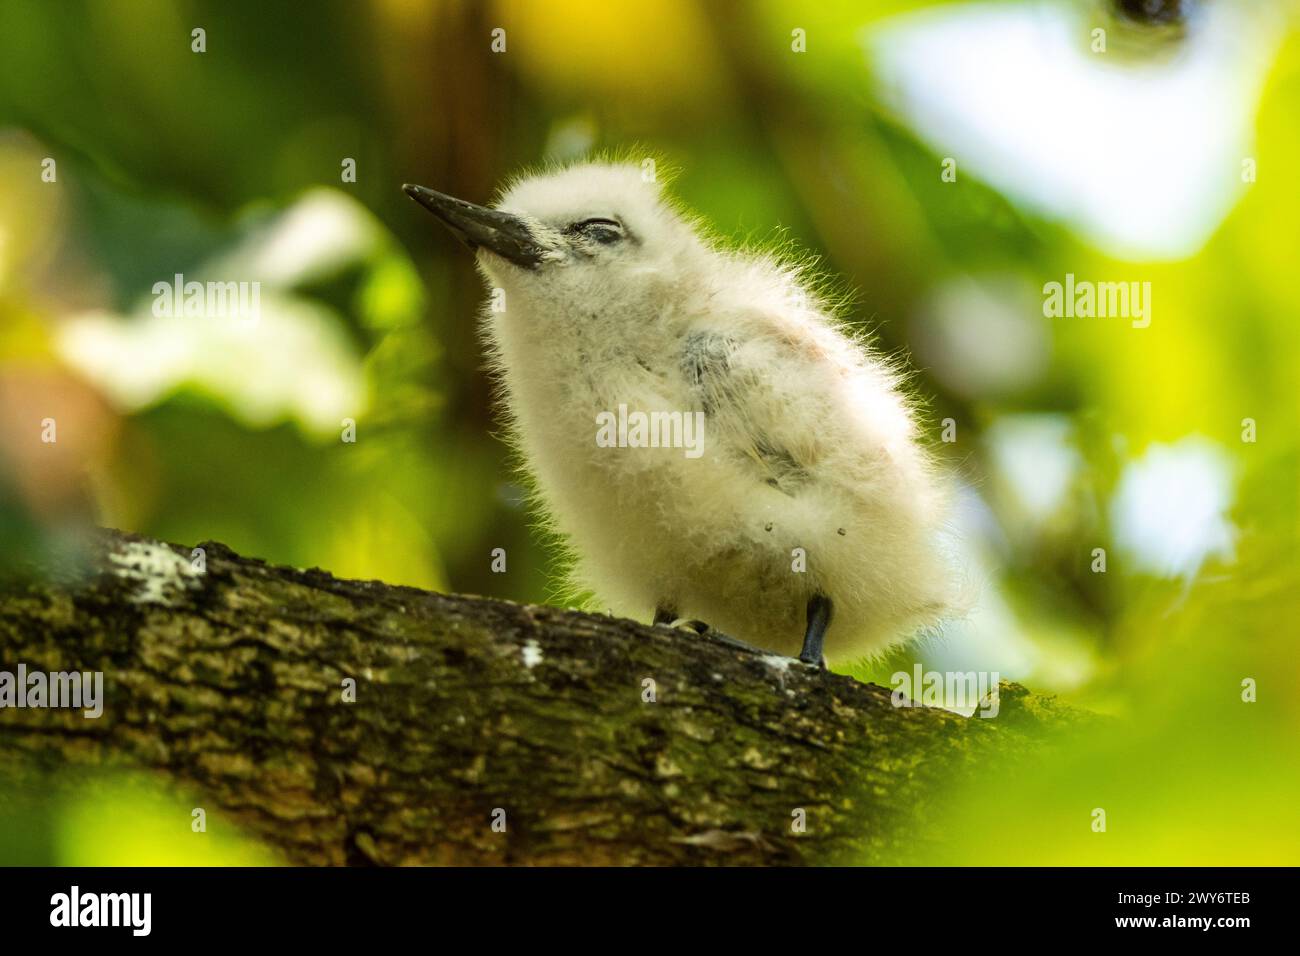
(808, 440)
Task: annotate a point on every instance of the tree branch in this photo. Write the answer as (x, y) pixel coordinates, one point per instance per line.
(229, 684)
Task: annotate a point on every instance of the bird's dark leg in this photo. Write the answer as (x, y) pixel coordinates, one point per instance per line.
(814, 638)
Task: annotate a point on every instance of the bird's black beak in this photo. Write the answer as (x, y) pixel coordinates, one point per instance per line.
(506, 235)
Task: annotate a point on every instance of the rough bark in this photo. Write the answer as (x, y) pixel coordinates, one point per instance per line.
(229, 684)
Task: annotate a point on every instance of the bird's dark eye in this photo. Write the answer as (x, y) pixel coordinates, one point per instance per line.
(604, 231)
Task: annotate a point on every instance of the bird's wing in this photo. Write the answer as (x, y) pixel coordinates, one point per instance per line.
(761, 399)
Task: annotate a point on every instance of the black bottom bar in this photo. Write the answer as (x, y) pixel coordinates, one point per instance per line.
(495, 905)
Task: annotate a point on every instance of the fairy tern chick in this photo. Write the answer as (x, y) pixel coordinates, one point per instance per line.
(701, 430)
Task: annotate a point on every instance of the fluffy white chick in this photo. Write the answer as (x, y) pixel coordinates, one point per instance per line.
(779, 491)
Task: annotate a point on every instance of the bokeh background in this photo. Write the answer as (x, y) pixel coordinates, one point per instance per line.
(1169, 158)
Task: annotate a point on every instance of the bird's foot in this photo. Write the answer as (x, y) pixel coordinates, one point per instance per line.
(707, 631)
